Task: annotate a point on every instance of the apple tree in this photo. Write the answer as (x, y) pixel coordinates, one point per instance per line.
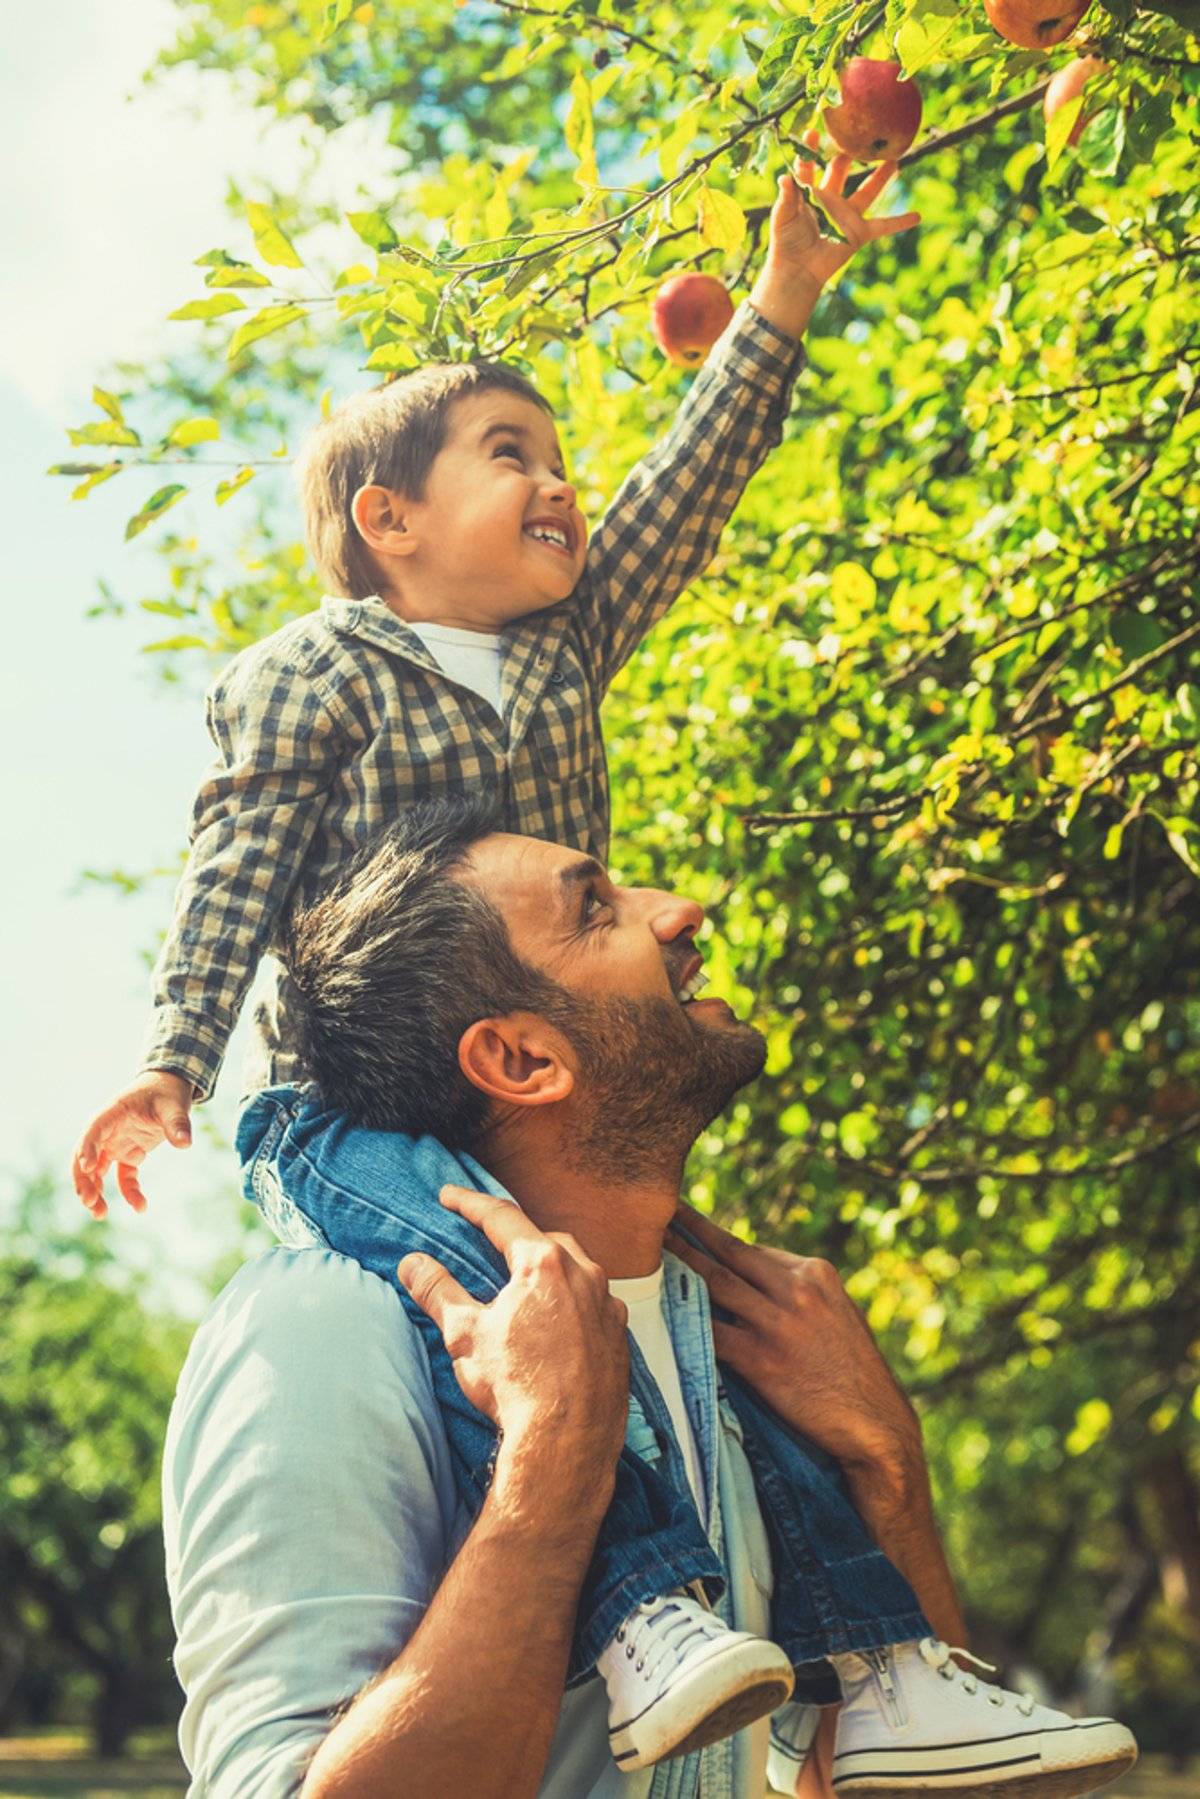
(923, 737)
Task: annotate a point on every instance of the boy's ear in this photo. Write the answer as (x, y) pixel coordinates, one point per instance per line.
(519, 1060)
(381, 517)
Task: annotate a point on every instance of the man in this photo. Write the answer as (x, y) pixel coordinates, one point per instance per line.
(316, 1548)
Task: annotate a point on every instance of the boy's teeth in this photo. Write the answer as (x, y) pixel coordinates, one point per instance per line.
(691, 988)
(544, 535)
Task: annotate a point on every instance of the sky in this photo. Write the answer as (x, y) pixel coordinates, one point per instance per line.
(111, 191)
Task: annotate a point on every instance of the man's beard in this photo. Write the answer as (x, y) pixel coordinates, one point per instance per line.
(650, 1080)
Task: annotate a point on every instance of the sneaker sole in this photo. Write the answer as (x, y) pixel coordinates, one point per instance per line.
(1056, 1783)
(758, 1695)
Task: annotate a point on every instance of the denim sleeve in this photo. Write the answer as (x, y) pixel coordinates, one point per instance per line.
(308, 1510)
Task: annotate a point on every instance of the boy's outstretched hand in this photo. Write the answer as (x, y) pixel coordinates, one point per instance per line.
(801, 258)
(153, 1109)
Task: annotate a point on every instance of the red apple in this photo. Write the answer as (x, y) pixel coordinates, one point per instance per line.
(1034, 26)
(879, 115)
(688, 315)
(1069, 81)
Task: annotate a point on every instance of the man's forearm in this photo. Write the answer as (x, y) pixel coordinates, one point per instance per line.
(896, 1505)
(473, 1699)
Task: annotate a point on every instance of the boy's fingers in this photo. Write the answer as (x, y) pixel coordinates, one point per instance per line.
(869, 190)
(127, 1181)
(177, 1127)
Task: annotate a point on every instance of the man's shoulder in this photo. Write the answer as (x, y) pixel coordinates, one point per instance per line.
(307, 1320)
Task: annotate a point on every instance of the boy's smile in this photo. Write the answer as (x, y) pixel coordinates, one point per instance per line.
(498, 534)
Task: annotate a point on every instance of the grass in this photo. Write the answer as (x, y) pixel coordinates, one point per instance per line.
(56, 1765)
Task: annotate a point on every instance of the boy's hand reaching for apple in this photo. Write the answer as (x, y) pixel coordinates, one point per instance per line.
(801, 258)
(153, 1109)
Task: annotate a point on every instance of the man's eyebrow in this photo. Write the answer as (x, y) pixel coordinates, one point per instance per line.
(576, 875)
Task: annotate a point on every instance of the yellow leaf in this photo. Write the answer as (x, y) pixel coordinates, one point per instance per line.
(269, 240)
(722, 221)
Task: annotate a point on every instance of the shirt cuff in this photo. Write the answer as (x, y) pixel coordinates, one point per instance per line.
(752, 349)
(184, 1044)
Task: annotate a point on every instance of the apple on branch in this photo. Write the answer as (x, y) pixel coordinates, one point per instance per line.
(687, 316)
(1066, 84)
(1035, 24)
(879, 115)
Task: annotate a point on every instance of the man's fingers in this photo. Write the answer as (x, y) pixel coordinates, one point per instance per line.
(504, 1224)
(127, 1181)
(742, 1257)
(728, 1288)
(433, 1287)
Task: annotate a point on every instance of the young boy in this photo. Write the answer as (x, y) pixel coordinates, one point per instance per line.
(470, 639)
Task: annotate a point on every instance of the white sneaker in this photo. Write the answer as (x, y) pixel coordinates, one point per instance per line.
(912, 1722)
(679, 1679)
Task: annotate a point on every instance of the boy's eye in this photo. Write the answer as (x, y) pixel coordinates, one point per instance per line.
(507, 450)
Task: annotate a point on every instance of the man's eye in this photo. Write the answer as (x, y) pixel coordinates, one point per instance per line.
(593, 906)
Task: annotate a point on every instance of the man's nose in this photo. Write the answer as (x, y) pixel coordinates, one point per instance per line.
(670, 915)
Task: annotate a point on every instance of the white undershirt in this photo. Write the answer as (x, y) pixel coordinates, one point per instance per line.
(470, 657)
(647, 1321)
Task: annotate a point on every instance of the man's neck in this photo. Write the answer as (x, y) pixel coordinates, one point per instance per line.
(619, 1224)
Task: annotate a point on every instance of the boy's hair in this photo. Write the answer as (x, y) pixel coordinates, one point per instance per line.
(386, 437)
(394, 961)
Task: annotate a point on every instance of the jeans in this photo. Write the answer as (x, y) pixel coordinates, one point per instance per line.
(372, 1195)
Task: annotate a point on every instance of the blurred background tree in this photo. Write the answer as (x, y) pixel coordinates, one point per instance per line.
(87, 1370)
(924, 737)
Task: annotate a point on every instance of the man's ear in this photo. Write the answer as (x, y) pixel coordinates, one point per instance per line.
(382, 519)
(519, 1060)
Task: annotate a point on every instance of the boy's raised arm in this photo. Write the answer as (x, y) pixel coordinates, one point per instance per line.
(663, 527)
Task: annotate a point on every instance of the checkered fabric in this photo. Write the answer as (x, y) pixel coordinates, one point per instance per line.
(325, 729)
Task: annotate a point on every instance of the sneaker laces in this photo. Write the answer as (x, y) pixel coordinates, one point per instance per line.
(652, 1635)
(940, 1656)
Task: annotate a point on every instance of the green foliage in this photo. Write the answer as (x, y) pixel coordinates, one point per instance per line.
(86, 1377)
(925, 734)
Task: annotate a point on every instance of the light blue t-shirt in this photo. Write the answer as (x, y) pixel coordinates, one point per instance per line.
(310, 1508)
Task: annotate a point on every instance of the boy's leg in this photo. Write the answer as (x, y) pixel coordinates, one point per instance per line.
(372, 1195)
(834, 1590)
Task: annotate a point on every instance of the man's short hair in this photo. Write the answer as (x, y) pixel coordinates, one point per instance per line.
(387, 437)
(394, 961)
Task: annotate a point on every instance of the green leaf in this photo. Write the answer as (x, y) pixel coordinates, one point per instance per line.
(1184, 838)
(211, 308)
(108, 403)
(269, 240)
(95, 479)
(528, 272)
(227, 489)
(921, 38)
(1059, 129)
(155, 506)
(175, 643)
(781, 53)
(271, 318)
(722, 221)
(336, 12)
(101, 433)
(193, 431)
(374, 230)
(579, 131)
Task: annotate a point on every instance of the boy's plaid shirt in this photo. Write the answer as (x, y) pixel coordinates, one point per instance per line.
(326, 729)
